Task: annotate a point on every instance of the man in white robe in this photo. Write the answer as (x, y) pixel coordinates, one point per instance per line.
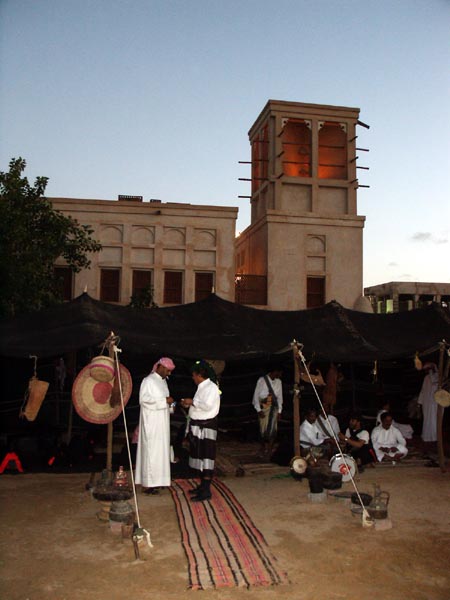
(310, 432)
(153, 449)
(429, 405)
(387, 441)
(268, 403)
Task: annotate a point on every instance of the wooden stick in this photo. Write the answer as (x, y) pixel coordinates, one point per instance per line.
(110, 432)
(296, 400)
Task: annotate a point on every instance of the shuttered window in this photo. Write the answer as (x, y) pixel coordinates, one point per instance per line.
(204, 283)
(110, 285)
(173, 287)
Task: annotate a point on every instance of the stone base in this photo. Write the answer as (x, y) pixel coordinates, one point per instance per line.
(383, 524)
(320, 497)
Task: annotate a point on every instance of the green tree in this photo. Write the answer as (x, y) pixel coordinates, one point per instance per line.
(143, 298)
(33, 236)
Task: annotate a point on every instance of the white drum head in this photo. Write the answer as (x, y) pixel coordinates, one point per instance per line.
(345, 465)
(299, 465)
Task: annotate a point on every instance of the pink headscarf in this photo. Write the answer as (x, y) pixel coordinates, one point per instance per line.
(165, 362)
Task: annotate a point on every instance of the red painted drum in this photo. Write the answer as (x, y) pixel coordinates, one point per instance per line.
(343, 464)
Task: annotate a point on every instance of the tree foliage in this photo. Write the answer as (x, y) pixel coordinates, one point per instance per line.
(143, 298)
(33, 236)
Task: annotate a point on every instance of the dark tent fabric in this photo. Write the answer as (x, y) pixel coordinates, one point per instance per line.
(218, 329)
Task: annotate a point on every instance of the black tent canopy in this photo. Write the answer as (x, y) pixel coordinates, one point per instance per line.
(219, 329)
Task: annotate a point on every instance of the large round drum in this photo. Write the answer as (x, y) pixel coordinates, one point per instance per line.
(343, 464)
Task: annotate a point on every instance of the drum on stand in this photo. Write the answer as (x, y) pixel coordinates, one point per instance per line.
(343, 464)
(298, 467)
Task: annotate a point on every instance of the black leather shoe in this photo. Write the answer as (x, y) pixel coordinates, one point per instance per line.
(201, 496)
(194, 491)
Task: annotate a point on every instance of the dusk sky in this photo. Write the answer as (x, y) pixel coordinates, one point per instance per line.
(155, 98)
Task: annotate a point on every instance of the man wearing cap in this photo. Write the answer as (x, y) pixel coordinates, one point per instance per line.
(153, 450)
(202, 429)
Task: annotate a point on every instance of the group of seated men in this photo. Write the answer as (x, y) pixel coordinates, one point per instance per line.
(385, 443)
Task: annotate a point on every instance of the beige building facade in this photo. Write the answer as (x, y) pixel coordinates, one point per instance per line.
(303, 247)
(181, 251)
(397, 296)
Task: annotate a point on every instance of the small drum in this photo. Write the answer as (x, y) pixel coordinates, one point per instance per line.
(298, 467)
(343, 464)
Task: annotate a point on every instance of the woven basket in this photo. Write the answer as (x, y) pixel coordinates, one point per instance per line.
(102, 368)
(37, 390)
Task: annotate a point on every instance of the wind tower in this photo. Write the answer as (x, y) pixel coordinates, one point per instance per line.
(303, 247)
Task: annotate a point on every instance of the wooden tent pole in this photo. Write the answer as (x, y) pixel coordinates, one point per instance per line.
(296, 399)
(440, 411)
(110, 431)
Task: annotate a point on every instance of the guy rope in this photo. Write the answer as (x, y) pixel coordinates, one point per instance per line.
(367, 520)
(139, 533)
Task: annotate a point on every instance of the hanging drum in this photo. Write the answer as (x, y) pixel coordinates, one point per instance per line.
(102, 368)
(298, 467)
(92, 398)
(343, 464)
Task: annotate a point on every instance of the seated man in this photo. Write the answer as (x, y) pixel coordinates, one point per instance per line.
(387, 441)
(327, 421)
(357, 442)
(405, 429)
(311, 434)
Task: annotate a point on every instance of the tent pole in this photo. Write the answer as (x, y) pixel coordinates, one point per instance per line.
(110, 430)
(296, 400)
(440, 411)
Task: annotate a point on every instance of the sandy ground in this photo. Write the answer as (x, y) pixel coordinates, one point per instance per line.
(54, 547)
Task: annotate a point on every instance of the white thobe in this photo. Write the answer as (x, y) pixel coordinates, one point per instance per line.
(405, 429)
(429, 407)
(326, 423)
(311, 434)
(153, 450)
(262, 391)
(206, 402)
(388, 438)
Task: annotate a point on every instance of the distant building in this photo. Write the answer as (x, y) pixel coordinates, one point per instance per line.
(182, 251)
(397, 296)
(303, 247)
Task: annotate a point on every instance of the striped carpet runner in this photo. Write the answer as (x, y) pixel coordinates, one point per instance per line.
(222, 545)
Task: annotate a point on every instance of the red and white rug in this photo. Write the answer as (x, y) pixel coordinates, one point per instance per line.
(222, 545)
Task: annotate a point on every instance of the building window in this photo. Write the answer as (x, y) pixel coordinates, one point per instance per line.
(315, 292)
(250, 289)
(142, 290)
(296, 140)
(64, 282)
(173, 287)
(332, 151)
(204, 284)
(110, 285)
(142, 280)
